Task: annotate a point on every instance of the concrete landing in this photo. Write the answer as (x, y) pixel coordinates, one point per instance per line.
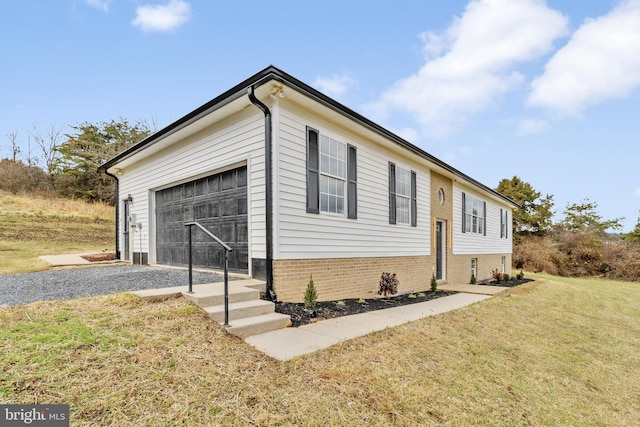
(285, 344)
(67, 260)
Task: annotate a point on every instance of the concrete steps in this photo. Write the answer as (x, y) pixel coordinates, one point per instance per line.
(248, 314)
(240, 310)
(249, 326)
(214, 294)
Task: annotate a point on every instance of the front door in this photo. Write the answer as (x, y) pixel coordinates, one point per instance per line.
(441, 244)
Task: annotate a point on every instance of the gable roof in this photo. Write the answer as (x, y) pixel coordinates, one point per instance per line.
(272, 73)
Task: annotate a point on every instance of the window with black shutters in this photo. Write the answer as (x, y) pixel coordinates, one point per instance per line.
(331, 175)
(474, 215)
(402, 196)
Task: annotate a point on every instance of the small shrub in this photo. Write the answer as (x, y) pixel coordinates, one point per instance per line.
(520, 275)
(497, 274)
(362, 301)
(434, 283)
(473, 280)
(412, 296)
(388, 284)
(507, 277)
(341, 303)
(310, 294)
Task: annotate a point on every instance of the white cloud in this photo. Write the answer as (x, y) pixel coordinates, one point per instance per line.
(600, 62)
(99, 4)
(407, 133)
(533, 126)
(165, 17)
(335, 85)
(472, 62)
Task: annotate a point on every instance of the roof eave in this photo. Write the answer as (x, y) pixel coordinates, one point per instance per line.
(274, 73)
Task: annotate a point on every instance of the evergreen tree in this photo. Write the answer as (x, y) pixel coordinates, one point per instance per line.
(584, 217)
(633, 236)
(534, 217)
(89, 147)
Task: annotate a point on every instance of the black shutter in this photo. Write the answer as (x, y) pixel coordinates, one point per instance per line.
(352, 186)
(506, 224)
(501, 224)
(392, 193)
(464, 201)
(313, 172)
(414, 203)
(484, 219)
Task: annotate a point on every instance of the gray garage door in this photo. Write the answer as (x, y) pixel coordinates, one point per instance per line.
(219, 203)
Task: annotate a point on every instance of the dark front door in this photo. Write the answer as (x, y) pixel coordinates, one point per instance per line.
(219, 203)
(440, 261)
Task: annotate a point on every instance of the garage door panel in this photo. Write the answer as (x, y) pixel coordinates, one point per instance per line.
(242, 205)
(218, 203)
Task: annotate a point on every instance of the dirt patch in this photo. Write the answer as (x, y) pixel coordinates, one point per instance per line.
(107, 256)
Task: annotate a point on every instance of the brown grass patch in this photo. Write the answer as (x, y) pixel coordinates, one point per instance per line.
(547, 353)
(33, 226)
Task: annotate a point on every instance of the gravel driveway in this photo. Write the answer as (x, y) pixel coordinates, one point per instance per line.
(19, 289)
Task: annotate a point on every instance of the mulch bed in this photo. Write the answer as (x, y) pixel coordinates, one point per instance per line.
(507, 284)
(331, 309)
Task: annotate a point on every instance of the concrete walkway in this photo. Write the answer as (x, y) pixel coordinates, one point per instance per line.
(285, 344)
(69, 260)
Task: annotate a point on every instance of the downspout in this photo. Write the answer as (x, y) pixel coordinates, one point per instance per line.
(115, 178)
(268, 189)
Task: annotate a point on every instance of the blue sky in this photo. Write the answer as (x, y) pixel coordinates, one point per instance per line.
(548, 91)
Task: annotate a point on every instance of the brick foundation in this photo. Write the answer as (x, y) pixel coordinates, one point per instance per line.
(459, 267)
(341, 278)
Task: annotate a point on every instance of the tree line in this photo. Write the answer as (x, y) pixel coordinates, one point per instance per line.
(582, 243)
(53, 163)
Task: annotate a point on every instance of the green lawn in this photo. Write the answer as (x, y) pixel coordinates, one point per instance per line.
(553, 352)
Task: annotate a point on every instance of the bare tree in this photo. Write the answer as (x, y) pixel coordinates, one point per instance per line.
(48, 144)
(32, 160)
(15, 148)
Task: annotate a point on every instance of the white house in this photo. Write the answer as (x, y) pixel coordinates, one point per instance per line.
(299, 185)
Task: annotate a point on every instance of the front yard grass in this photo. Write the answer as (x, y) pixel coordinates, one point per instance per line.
(551, 352)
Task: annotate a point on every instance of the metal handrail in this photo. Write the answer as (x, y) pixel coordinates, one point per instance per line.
(227, 249)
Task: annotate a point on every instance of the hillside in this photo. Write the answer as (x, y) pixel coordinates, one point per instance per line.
(31, 226)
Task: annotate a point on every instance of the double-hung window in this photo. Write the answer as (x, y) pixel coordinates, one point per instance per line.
(504, 220)
(402, 196)
(331, 175)
(474, 212)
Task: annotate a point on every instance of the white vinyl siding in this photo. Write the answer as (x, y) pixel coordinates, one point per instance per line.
(474, 243)
(229, 143)
(303, 235)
